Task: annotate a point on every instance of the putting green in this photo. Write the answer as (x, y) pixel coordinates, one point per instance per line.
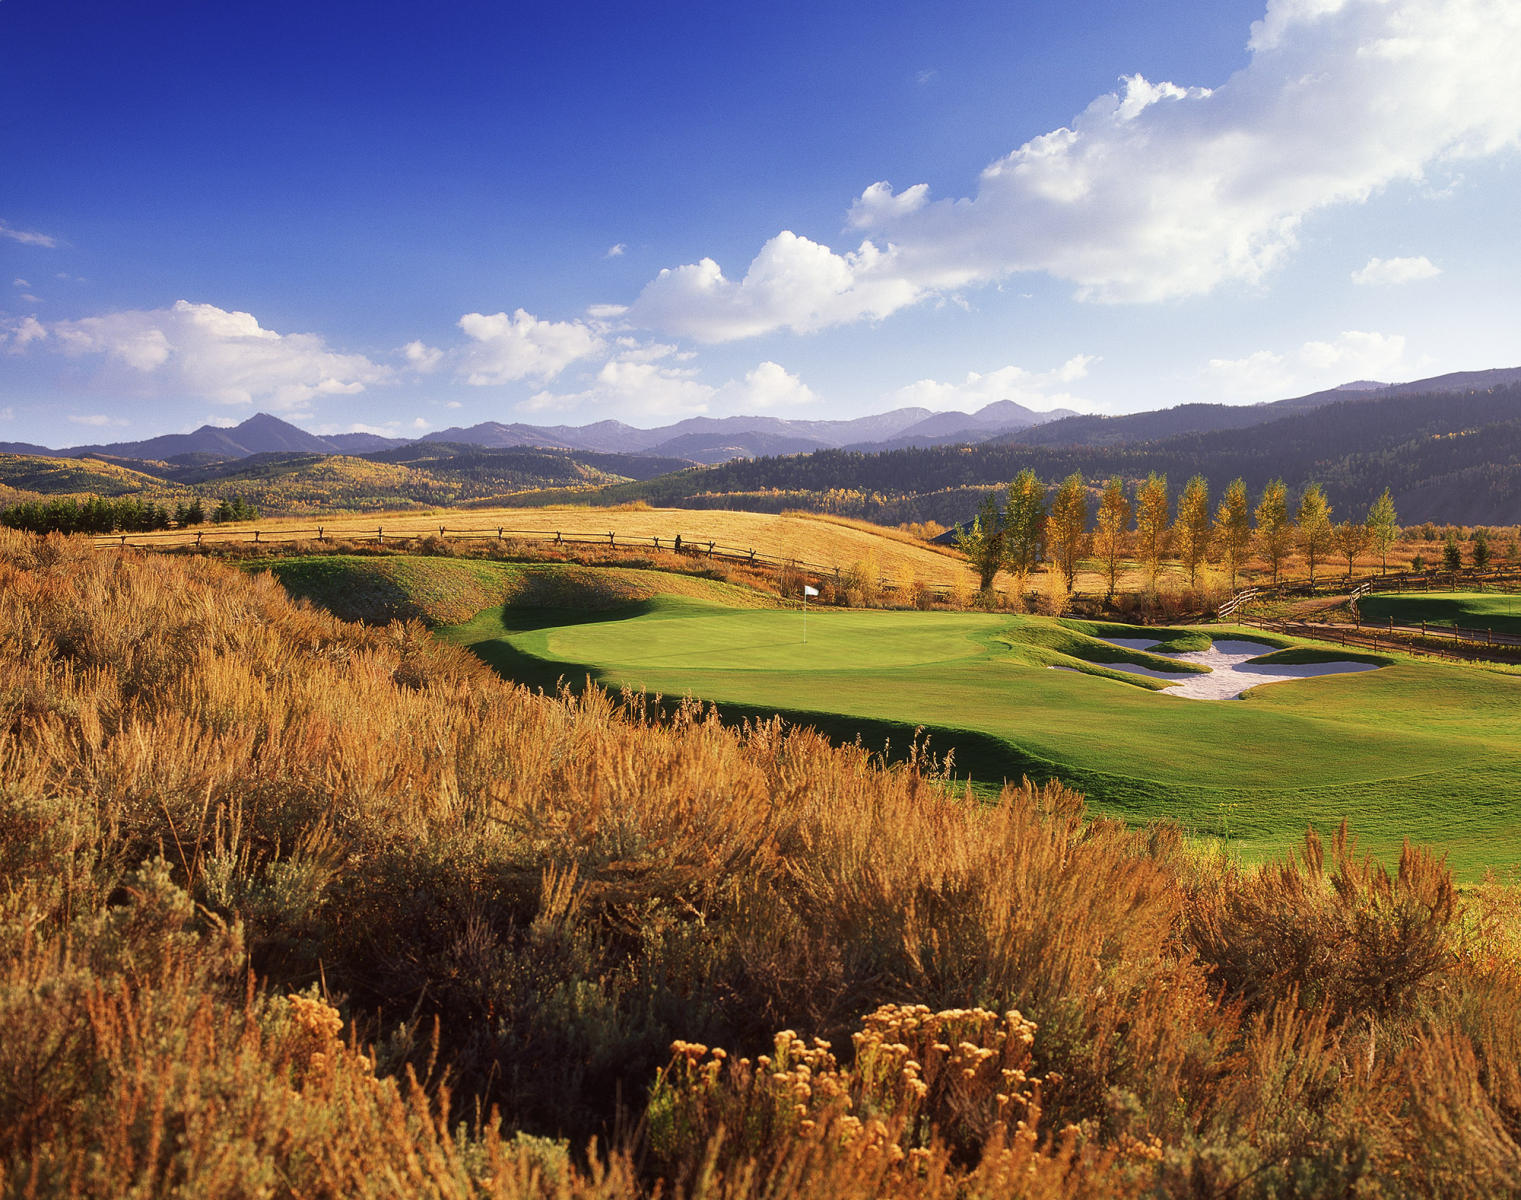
(1412, 750)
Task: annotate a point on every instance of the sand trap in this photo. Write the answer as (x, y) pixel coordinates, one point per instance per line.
(1229, 672)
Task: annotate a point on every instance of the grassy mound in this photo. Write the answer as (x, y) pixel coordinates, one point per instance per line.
(447, 591)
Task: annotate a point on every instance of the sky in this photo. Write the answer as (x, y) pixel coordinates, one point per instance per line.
(403, 218)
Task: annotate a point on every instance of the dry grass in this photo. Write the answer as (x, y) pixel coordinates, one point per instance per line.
(285, 899)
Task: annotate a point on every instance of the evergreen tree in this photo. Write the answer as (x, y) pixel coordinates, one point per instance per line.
(1452, 556)
(983, 543)
(1480, 550)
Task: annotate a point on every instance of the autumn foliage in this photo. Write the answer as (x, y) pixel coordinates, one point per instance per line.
(294, 907)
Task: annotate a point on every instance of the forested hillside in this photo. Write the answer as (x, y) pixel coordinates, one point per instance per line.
(1445, 457)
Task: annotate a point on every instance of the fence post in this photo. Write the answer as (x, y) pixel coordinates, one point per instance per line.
(498, 533)
(124, 539)
(656, 539)
(256, 535)
(710, 549)
(320, 536)
(380, 535)
(440, 531)
(198, 535)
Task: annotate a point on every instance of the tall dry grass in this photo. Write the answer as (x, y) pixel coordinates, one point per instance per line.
(299, 908)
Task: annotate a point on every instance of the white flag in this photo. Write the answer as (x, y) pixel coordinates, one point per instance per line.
(809, 590)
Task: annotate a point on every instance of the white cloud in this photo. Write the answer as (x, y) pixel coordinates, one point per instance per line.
(1157, 191)
(99, 420)
(20, 283)
(27, 237)
(7, 413)
(1268, 375)
(421, 357)
(1395, 271)
(503, 349)
(1040, 391)
(768, 385)
(202, 350)
(22, 333)
(616, 251)
(634, 386)
(793, 283)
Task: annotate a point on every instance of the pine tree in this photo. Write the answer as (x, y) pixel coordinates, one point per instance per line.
(983, 543)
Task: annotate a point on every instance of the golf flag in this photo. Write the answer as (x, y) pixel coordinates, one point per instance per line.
(809, 590)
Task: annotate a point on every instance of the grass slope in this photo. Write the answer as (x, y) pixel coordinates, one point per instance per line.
(1416, 750)
(446, 591)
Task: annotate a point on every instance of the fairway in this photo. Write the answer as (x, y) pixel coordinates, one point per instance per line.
(1499, 612)
(1413, 749)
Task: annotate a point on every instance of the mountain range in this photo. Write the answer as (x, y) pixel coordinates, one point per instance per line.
(701, 440)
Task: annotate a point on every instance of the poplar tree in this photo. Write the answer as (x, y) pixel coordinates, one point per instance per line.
(1350, 538)
(1109, 533)
(1190, 532)
(1067, 527)
(1313, 528)
(1151, 525)
(1383, 528)
(1233, 528)
(1274, 533)
(1024, 525)
(983, 542)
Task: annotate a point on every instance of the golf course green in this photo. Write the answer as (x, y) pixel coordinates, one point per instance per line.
(1414, 750)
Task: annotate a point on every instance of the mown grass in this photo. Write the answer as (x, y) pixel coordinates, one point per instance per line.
(1415, 750)
(300, 908)
(1496, 611)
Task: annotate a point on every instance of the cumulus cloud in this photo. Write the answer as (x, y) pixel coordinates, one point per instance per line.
(27, 237)
(1269, 375)
(1035, 390)
(616, 250)
(1156, 191)
(421, 357)
(793, 283)
(503, 349)
(1395, 271)
(202, 350)
(768, 385)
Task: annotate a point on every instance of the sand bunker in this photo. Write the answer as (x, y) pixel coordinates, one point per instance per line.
(1229, 672)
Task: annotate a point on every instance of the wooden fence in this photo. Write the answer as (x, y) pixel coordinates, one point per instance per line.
(698, 547)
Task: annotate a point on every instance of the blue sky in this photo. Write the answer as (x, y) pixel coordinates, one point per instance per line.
(404, 218)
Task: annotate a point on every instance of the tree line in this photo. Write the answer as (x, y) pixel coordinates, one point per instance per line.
(1027, 529)
(97, 514)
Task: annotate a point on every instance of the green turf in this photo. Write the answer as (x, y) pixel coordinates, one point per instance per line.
(1497, 611)
(1416, 749)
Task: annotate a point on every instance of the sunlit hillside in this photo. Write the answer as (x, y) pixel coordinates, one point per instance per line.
(484, 926)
